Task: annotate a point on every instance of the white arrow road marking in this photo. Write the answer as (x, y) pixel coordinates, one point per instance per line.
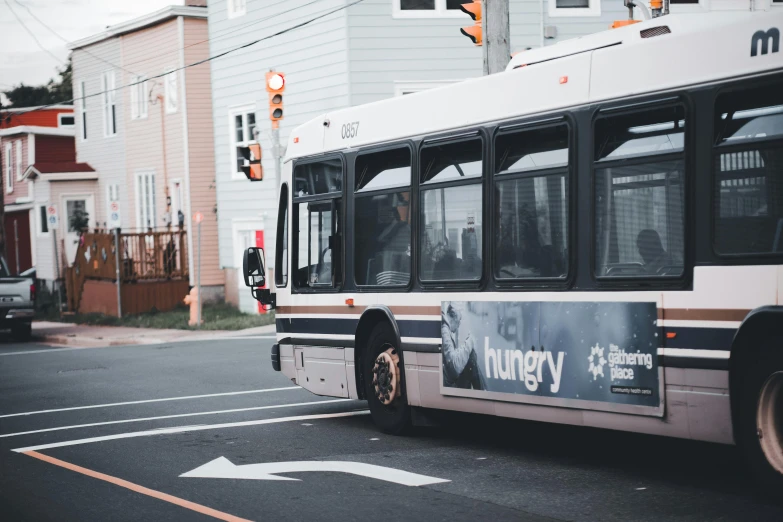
(224, 468)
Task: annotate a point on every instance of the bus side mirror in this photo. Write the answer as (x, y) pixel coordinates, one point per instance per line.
(253, 267)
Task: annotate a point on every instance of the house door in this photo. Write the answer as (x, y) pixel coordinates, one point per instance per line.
(79, 212)
(17, 241)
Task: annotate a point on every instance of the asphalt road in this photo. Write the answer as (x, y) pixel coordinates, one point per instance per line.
(118, 461)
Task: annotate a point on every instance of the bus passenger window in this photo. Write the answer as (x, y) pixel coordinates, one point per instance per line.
(281, 250)
(383, 222)
(451, 211)
(531, 204)
(639, 194)
(748, 162)
(318, 230)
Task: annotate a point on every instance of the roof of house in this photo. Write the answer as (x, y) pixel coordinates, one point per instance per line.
(61, 167)
(38, 129)
(162, 15)
(58, 107)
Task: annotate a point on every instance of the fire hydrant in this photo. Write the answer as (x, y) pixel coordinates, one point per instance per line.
(192, 300)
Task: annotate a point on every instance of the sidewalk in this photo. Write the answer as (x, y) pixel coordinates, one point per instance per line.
(85, 336)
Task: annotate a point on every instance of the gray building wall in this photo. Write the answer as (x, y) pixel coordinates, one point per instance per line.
(358, 55)
(314, 60)
(106, 154)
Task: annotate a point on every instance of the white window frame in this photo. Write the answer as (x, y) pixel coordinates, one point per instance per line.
(9, 168)
(402, 88)
(233, 143)
(109, 109)
(40, 222)
(139, 98)
(171, 85)
(440, 11)
(143, 178)
(82, 111)
(703, 5)
(66, 115)
(19, 161)
(593, 9)
(236, 8)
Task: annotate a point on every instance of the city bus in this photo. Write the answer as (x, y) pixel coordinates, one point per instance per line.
(592, 237)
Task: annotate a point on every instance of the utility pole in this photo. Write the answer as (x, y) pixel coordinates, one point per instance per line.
(490, 31)
(496, 46)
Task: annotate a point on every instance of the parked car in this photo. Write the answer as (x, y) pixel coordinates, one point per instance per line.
(17, 301)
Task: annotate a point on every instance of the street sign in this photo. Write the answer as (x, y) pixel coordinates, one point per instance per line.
(51, 216)
(198, 217)
(114, 215)
(224, 468)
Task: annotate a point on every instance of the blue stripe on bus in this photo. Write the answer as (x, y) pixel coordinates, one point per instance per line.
(700, 338)
(348, 326)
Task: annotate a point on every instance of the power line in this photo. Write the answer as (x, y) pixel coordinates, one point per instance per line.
(30, 12)
(32, 35)
(229, 32)
(205, 60)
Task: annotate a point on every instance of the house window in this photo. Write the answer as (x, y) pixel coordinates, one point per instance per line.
(564, 8)
(172, 92)
(427, 8)
(9, 168)
(83, 109)
(109, 104)
(145, 200)
(242, 125)
(43, 221)
(66, 120)
(19, 164)
(138, 98)
(236, 8)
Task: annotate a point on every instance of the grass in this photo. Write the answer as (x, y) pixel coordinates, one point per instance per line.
(215, 316)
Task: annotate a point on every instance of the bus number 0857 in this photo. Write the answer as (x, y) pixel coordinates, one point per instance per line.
(350, 130)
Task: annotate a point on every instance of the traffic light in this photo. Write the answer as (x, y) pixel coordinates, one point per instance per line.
(473, 32)
(251, 161)
(275, 85)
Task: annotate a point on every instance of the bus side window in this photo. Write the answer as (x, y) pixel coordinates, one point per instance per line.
(531, 195)
(748, 158)
(639, 194)
(451, 211)
(319, 226)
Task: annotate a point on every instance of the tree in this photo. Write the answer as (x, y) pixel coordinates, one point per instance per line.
(53, 92)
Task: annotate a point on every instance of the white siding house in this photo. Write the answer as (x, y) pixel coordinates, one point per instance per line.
(368, 52)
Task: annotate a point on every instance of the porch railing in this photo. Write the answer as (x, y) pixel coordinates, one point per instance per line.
(144, 256)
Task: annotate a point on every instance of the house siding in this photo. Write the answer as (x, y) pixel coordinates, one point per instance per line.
(200, 150)
(104, 154)
(144, 138)
(314, 59)
(54, 149)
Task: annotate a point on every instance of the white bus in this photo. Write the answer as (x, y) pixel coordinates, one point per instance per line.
(592, 237)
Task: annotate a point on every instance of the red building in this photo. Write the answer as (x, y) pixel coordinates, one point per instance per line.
(36, 148)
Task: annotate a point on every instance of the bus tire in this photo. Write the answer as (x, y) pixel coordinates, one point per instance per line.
(761, 420)
(394, 418)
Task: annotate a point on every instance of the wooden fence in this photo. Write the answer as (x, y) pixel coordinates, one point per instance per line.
(149, 258)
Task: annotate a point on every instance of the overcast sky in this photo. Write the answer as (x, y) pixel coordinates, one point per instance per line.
(23, 61)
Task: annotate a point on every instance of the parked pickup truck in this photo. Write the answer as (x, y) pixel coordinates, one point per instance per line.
(17, 302)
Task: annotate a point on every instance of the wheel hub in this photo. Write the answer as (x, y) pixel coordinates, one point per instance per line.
(769, 420)
(386, 376)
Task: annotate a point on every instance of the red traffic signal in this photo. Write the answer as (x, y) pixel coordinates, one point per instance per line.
(473, 32)
(275, 86)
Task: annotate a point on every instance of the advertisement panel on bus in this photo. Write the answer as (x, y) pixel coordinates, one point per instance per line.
(591, 355)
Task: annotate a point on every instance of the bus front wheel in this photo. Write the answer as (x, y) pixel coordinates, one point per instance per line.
(384, 381)
(762, 420)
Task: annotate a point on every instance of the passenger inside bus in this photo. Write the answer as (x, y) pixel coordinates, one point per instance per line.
(651, 250)
(394, 242)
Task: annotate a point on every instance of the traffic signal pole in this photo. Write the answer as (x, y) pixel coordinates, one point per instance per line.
(496, 44)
